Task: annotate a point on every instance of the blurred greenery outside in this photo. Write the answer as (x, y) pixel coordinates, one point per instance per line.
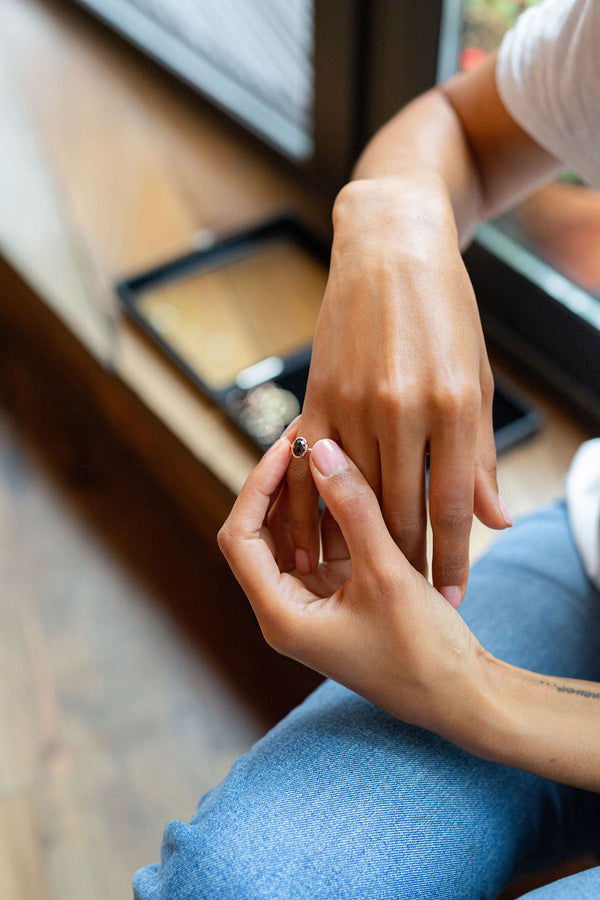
(486, 21)
(484, 24)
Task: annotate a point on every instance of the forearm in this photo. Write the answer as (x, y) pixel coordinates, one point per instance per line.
(424, 145)
(461, 137)
(546, 725)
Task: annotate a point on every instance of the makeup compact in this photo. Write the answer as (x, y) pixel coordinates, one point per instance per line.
(238, 317)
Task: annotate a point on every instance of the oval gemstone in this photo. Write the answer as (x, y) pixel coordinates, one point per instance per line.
(299, 447)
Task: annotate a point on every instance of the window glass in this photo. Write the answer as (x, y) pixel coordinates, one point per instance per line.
(561, 222)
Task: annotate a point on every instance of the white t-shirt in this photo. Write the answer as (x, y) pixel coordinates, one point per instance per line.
(548, 77)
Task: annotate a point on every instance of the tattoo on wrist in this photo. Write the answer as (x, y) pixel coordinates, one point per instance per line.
(578, 692)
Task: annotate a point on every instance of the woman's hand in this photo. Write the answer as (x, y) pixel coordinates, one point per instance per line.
(399, 369)
(368, 619)
(364, 616)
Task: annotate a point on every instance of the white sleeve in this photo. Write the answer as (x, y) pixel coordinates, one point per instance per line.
(548, 77)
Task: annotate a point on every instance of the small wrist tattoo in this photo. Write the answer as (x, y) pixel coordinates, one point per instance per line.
(577, 692)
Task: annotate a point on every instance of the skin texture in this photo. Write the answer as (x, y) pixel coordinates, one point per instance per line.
(365, 617)
(399, 367)
(399, 364)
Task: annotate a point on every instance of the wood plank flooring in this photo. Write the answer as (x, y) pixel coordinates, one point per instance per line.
(131, 671)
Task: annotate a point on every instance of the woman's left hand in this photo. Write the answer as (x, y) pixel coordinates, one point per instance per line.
(364, 617)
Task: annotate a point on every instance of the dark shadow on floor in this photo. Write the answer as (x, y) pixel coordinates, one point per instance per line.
(106, 486)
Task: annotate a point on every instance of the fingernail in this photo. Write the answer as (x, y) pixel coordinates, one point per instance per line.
(328, 457)
(453, 595)
(504, 511)
(303, 562)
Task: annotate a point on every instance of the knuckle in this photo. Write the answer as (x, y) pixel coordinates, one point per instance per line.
(487, 385)
(301, 527)
(408, 530)
(455, 521)
(225, 539)
(388, 398)
(451, 572)
(486, 458)
(350, 494)
(348, 402)
(396, 399)
(456, 400)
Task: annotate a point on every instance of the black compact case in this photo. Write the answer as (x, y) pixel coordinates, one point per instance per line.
(193, 302)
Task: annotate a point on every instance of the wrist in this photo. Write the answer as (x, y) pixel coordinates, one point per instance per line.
(467, 703)
(414, 204)
(504, 720)
(485, 722)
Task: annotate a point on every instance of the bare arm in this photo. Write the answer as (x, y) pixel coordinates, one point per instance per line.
(461, 133)
(399, 363)
(546, 725)
(365, 618)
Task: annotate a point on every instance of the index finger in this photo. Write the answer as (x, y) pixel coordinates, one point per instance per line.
(241, 537)
(252, 504)
(451, 492)
(304, 501)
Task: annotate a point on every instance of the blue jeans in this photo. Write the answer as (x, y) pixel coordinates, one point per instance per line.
(341, 800)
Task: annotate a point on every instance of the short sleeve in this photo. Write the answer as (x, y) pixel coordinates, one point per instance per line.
(548, 76)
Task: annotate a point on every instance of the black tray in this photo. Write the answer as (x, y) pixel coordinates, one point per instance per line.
(515, 416)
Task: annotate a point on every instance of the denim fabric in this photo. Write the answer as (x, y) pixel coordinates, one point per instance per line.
(341, 800)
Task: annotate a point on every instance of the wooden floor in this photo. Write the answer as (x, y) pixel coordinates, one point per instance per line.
(131, 671)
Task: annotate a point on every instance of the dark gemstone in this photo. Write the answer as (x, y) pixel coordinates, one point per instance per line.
(299, 447)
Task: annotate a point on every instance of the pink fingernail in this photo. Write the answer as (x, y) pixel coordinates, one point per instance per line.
(329, 458)
(453, 595)
(303, 562)
(504, 511)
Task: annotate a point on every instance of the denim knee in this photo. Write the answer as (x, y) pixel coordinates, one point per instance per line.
(200, 864)
(343, 801)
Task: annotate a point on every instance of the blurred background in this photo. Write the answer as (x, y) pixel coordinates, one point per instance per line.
(137, 133)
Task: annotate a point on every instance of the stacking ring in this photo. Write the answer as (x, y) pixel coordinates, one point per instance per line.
(300, 448)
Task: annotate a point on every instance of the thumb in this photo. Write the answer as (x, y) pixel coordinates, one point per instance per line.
(351, 502)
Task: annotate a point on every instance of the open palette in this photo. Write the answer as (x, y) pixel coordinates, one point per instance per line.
(238, 318)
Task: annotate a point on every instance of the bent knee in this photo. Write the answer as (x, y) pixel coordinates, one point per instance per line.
(214, 861)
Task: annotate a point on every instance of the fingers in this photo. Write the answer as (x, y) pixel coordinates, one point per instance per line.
(488, 505)
(278, 517)
(240, 538)
(403, 496)
(451, 485)
(332, 540)
(252, 504)
(352, 504)
(278, 520)
(303, 500)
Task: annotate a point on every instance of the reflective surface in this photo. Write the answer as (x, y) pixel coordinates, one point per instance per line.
(255, 309)
(561, 222)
